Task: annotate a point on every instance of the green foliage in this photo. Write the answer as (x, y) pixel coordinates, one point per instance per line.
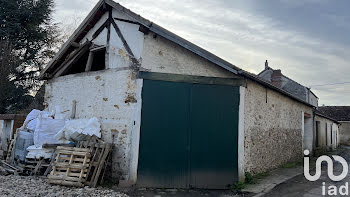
(239, 186)
(249, 179)
(27, 42)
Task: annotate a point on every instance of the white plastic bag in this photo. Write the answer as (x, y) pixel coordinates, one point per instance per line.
(32, 118)
(46, 129)
(80, 129)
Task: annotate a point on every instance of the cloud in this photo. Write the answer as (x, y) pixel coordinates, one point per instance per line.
(247, 34)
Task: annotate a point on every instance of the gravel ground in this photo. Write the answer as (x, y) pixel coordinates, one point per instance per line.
(37, 186)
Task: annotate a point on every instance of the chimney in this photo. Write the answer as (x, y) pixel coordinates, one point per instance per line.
(266, 65)
(276, 78)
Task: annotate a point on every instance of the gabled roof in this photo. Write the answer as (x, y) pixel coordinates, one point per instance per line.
(340, 113)
(103, 6)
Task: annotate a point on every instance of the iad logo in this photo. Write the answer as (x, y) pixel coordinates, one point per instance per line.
(329, 161)
(331, 190)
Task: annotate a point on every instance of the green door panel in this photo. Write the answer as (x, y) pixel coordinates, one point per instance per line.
(189, 135)
(164, 135)
(213, 155)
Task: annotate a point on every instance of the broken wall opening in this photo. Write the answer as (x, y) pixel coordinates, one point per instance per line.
(98, 62)
(90, 60)
(79, 66)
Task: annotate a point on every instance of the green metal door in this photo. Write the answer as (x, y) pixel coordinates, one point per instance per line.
(164, 135)
(188, 135)
(214, 120)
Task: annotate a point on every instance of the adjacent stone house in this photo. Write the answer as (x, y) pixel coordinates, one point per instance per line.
(176, 114)
(342, 115)
(325, 128)
(276, 77)
(326, 132)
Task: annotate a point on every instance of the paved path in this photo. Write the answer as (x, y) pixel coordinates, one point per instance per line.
(300, 186)
(274, 178)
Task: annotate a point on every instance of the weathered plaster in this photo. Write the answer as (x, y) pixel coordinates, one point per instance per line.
(135, 136)
(112, 96)
(273, 129)
(241, 174)
(161, 55)
(118, 55)
(101, 39)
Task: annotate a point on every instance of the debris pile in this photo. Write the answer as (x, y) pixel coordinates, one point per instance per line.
(68, 151)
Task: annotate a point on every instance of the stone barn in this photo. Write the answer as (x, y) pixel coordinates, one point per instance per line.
(178, 116)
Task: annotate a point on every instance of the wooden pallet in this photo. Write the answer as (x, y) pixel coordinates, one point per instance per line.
(70, 167)
(35, 166)
(99, 151)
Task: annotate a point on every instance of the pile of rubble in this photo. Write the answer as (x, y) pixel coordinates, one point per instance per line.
(68, 151)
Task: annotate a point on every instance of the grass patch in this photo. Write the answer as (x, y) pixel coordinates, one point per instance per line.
(239, 186)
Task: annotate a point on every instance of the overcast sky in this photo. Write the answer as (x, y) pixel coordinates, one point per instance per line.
(307, 39)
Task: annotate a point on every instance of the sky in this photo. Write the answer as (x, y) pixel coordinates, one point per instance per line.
(307, 39)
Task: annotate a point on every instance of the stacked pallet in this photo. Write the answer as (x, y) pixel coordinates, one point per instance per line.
(35, 166)
(100, 152)
(70, 167)
(79, 166)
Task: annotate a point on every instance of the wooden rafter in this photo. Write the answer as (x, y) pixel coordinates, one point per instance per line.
(72, 59)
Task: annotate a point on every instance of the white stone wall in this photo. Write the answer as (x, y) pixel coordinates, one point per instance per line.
(273, 129)
(111, 95)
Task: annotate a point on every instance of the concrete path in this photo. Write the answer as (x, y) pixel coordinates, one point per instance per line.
(274, 178)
